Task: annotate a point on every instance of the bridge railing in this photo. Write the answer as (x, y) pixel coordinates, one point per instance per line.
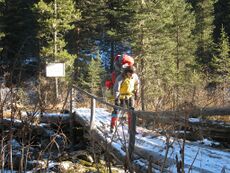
(95, 99)
(180, 116)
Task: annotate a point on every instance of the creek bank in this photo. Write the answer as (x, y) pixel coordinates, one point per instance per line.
(48, 147)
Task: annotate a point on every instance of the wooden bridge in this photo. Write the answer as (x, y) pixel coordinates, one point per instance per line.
(144, 150)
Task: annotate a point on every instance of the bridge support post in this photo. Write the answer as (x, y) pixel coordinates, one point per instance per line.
(132, 134)
(71, 116)
(93, 105)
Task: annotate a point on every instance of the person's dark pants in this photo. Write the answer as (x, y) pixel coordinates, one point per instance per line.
(125, 103)
(129, 104)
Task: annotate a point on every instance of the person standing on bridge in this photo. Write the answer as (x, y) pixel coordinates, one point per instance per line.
(126, 91)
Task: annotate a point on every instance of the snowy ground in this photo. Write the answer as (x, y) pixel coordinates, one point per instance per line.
(202, 157)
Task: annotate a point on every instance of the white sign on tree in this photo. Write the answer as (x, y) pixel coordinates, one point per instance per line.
(55, 70)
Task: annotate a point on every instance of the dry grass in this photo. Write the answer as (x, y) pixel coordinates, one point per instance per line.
(225, 118)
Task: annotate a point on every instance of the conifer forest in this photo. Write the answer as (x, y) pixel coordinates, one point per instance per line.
(179, 46)
(181, 50)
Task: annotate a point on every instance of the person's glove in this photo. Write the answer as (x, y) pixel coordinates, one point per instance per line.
(117, 98)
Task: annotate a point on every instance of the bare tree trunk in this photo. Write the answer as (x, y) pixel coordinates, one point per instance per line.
(166, 153)
(142, 87)
(21, 167)
(10, 160)
(40, 95)
(142, 76)
(11, 132)
(2, 153)
(55, 47)
(27, 150)
(186, 115)
(112, 55)
(1, 103)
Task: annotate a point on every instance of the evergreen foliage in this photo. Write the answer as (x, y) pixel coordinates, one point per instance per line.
(90, 77)
(90, 27)
(87, 35)
(104, 24)
(222, 17)
(204, 10)
(164, 40)
(165, 37)
(18, 41)
(221, 62)
(56, 18)
(117, 30)
(94, 77)
(18, 25)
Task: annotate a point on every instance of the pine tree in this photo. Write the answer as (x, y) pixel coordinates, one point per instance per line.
(87, 35)
(55, 20)
(222, 17)
(204, 10)
(180, 30)
(221, 65)
(103, 24)
(221, 62)
(19, 40)
(94, 78)
(117, 28)
(165, 44)
(89, 28)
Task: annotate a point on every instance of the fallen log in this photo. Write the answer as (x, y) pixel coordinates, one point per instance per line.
(215, 130)
(37, 129)
(180, 114)
(54, 118)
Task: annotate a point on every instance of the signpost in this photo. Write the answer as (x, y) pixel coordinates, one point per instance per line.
(55, 70)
